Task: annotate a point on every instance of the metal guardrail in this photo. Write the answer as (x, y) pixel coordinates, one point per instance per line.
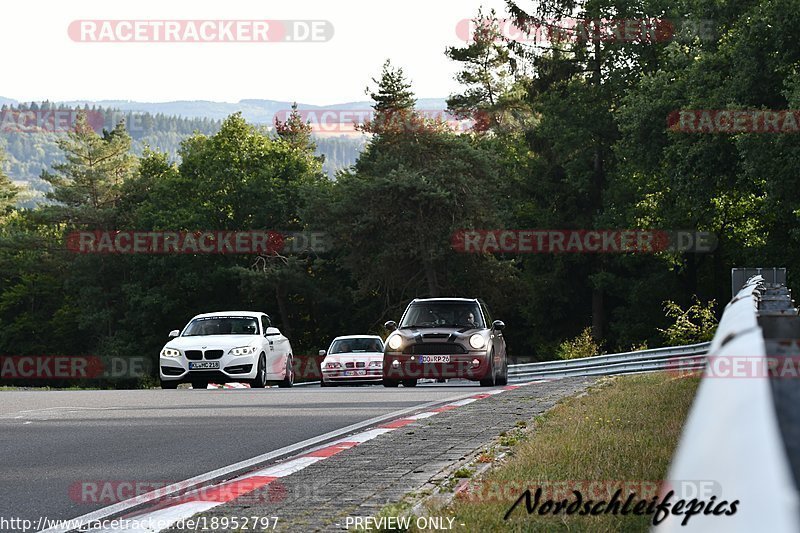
(684, 358)
(732, 438)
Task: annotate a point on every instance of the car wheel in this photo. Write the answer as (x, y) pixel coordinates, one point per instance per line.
(409, 383)
(261, 375)
(488, 381)
(288, 379)
(169, 384)
(503, 378)
(199, 384)
(390, 383)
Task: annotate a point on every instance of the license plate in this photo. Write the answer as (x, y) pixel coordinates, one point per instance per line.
(204, 365)
(434, 358)
(355, 373)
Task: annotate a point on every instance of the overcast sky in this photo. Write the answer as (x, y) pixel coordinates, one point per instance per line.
(41, 61)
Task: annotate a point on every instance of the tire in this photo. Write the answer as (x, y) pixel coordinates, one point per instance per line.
(199, 384)
(323, 384)
(261, 374)
(169, 385)
(489, 381)
(409, 383)
(502, 379)
(390, 383)
(288, 379)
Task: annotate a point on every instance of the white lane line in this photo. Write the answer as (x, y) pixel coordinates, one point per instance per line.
(464, 402)
(285, 469)
(225, 472)
(298, 463)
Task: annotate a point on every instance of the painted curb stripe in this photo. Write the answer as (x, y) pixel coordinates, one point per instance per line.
(187, 505)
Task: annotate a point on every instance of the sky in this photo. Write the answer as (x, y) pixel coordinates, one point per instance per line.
(43, 62)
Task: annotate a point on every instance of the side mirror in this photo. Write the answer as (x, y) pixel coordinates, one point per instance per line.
(174, 333)
(322, 353)
(498, 325)
(272, 331)
(391, 325)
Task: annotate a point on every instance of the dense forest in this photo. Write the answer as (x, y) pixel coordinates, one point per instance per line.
(571, 133)
(33, 150)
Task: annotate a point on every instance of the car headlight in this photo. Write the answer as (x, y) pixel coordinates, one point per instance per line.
(395, 342)
(333, 365)
(243, 350)
(376, 364)
(477, 341)
(170, 352)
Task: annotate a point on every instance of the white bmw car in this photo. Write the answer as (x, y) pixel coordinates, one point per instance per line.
(232, 346)
(352, 359)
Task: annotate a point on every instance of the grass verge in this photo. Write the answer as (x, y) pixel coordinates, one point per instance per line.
(621, 434)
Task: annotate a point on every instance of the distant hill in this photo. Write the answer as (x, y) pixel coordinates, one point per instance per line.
(28, 153)
(256, 111)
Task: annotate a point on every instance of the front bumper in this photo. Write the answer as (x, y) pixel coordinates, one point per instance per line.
(356, 375)
(399, 366)
(231, 369)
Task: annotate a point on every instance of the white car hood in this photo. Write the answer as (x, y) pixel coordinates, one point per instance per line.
(210, 342)
(353, 357)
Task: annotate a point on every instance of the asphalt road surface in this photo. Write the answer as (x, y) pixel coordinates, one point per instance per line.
(56, 443)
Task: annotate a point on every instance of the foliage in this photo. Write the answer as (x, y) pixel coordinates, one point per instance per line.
(581, 346)
(697, 323)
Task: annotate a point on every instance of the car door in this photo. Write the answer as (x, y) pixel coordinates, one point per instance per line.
(498, 342)
(277, 346)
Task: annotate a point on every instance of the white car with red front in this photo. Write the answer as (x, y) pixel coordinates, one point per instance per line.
(352, 359)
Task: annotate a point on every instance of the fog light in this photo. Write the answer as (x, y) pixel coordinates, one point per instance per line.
(395, 364)
(476, 362)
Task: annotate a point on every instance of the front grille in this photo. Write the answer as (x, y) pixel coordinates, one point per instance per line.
(434, 348)
(214, 354)
(360, 364)
(348, 365)
(194, 355)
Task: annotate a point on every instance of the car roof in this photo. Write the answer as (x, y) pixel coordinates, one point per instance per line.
(358, 337)
(230, 313)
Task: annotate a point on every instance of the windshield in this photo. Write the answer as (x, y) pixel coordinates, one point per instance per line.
(357, 345)
(222, 325)
(443, 314)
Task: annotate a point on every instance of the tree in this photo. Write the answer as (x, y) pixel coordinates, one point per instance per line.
(8, 191)
(296, 132)
(486, 76)
(86, 187)
(394, 215)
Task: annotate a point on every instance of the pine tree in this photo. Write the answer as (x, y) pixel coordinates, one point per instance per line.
(486, 75)
(86, 187)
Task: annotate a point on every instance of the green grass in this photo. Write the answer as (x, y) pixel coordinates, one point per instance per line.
(625, 429)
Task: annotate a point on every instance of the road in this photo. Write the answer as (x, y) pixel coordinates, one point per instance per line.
(55, 444)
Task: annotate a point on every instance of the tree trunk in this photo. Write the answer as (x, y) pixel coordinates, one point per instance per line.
(433, 282)
(280, 296)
